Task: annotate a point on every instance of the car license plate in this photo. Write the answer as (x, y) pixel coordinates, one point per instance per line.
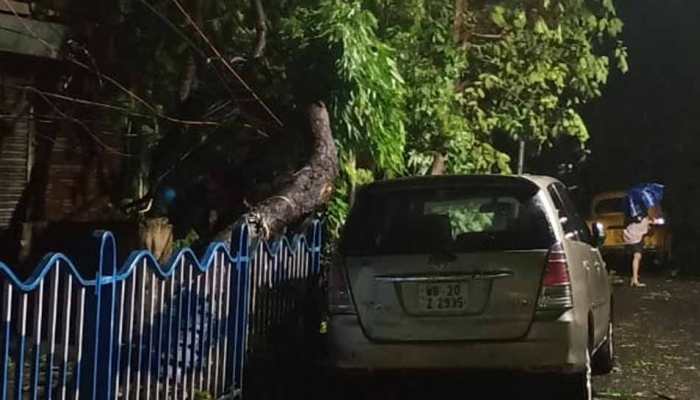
(441, 297)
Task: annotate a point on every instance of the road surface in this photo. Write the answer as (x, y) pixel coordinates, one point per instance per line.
(658, 342)
(658, 357)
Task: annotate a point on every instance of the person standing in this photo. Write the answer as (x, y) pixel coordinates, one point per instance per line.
(633, 236)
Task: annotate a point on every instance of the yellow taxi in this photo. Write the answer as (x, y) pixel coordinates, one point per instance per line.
(608, 208)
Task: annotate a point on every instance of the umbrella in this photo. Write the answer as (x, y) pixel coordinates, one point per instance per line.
(643, 197)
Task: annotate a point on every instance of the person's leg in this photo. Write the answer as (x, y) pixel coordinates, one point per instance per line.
(636, 260)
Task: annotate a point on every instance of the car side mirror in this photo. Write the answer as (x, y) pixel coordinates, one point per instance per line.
(598, 232)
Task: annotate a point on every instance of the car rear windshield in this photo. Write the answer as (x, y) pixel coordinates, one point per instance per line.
(429, 220)
(609, 206)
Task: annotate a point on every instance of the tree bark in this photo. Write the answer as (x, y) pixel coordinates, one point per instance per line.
(307, 189)
(190, 74)
(188, 78)
(310, 187)
(438, 167)
(459, 33)
(261, 29)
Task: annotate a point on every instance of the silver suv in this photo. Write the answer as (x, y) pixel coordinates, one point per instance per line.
(471, 272)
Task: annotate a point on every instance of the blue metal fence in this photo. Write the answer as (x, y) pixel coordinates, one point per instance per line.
(146, 331)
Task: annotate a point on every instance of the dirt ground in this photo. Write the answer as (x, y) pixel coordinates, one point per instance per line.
(658, 342)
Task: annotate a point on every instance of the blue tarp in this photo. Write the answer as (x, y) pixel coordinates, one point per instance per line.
(643, 197)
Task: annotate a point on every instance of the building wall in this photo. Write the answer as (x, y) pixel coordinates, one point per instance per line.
(81, 174)
(16, 135)
(56, 176)
(63, 170)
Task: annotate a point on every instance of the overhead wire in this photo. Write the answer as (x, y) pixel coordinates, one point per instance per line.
(226, 64)
(118, 84)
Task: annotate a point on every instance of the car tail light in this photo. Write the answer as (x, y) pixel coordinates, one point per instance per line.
(339, 297)
(556, 282)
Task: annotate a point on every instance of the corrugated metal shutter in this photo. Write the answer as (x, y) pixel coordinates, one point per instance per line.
(15, 142)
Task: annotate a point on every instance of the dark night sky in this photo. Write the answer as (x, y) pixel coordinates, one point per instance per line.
(647, 125)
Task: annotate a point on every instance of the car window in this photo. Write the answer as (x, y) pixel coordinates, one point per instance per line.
(571, 220)
(413, 221)
(476, 214)
(561, 211)
(609, 206)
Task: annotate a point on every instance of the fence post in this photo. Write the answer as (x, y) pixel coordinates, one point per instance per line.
(314, 295)
(97, 367)
(238, 320)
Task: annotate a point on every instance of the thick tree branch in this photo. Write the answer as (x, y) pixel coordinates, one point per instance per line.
(488, 35)
(188, 78)
(261, 29)
(308, 188)
(190, 73)
(461, 7)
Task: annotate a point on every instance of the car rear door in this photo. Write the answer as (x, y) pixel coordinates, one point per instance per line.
(579, 240)
(441, 264)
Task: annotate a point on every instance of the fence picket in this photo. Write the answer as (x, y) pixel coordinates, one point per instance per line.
(227, 332)
(68, 294)
(159, 357)
(211, 278)
(7, 321)
(169, 337)
(197, 336)
(121, 316)
(21, 345)
(80, 327)
(53, 310)
(142, 305)
(177, 369)
(188, 345)
(145, 330)
(38, 316)
(219, 309)
(151, 330)
(130, 335)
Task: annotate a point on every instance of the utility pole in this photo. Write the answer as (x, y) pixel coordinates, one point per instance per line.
(521, 157)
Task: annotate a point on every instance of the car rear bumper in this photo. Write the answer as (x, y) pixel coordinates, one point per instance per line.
(549, 346)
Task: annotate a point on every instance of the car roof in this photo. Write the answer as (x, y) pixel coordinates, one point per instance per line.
(541, 180)
(524, 181)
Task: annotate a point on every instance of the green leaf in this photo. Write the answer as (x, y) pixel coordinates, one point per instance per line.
(520, 20)
(498, 16)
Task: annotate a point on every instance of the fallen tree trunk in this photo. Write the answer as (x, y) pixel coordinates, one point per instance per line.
(305, 190)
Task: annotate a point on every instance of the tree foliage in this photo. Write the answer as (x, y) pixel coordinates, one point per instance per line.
(520, 69)
(406, 81)
(512, 67)
(363, 79)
